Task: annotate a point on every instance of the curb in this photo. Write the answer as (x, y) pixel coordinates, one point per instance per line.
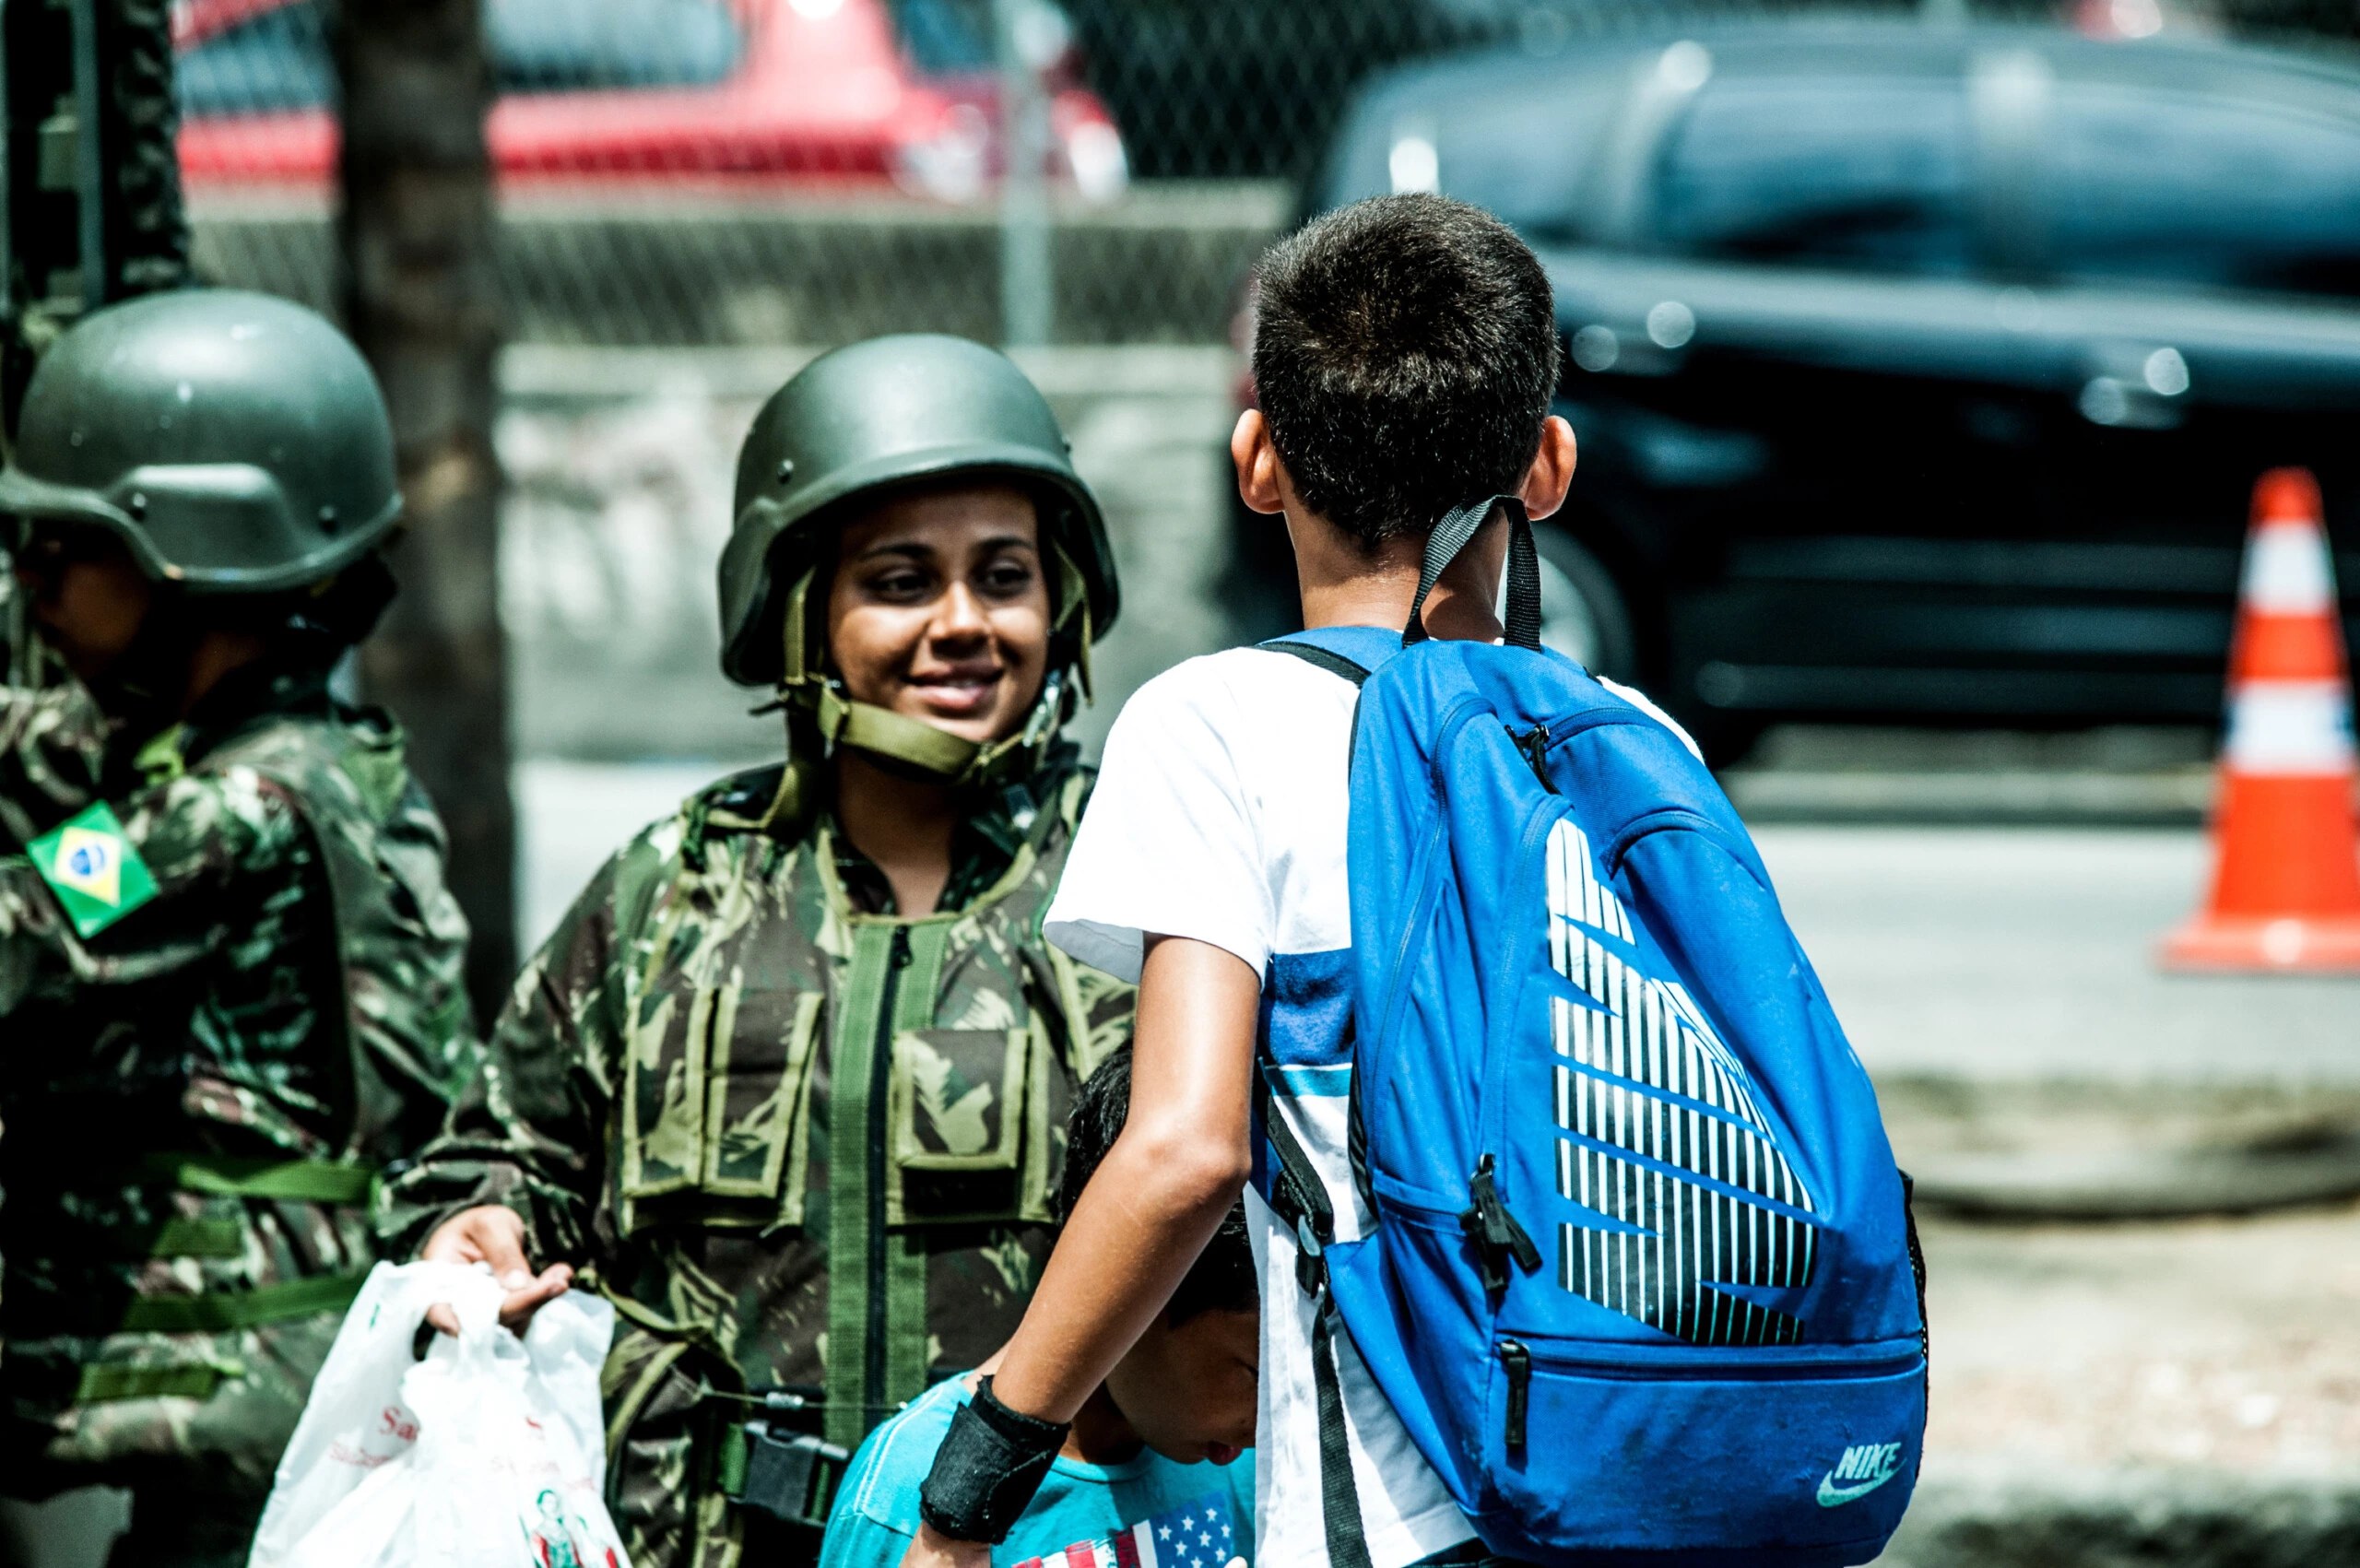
(2139, 1183)
(1969, 1514)
(2065, 1150)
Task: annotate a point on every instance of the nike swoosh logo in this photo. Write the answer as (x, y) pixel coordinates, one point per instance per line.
(1834, 1496)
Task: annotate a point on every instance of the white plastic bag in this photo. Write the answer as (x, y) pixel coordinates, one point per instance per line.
(487, 1454)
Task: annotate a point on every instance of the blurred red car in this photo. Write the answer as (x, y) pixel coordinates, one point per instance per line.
(800, 91)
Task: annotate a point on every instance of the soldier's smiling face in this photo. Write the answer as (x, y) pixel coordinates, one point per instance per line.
(939, 607)
(86, 594)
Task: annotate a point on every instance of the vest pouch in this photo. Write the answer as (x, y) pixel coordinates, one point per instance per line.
(716, 1111)
(969, 1124)
(758, 1100)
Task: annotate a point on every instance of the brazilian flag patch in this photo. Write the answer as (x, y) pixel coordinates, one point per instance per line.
(96, 874)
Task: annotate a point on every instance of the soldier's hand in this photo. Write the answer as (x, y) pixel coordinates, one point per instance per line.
(931, 1549)
(494, 1235)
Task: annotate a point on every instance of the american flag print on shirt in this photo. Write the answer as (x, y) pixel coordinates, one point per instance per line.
(1194, 1535)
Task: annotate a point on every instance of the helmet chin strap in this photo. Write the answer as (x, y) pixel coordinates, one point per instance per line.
(842, 720)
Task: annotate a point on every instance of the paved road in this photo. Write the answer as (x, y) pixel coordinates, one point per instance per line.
(2224, 1342)
(2028, 953)
(2184, 1394)
(1974, 953)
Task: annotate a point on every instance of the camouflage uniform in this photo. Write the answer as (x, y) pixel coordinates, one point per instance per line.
(805, 1146)
(205, 1087)
(229, 968)
(733, 1060)
(54, 736)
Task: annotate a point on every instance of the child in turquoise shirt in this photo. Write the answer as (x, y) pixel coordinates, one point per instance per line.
(1156, 1472)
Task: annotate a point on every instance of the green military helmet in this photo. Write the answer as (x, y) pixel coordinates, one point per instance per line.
(882, 413)
(236, 442)
(871, 416)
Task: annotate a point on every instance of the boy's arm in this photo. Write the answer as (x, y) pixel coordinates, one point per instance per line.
(854, 1539)
(1184, 1154)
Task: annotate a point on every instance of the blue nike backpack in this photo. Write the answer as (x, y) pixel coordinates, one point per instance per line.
(1643, 1283)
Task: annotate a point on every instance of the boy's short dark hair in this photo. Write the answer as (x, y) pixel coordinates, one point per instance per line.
(1222, 1278)
(1405, 351)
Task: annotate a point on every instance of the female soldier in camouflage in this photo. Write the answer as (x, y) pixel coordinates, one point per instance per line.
(788, 1085)
(228, 966)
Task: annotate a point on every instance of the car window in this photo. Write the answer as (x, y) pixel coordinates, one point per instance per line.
(2203, 191)
(272, 62)
(581, 45)
(946, 37)
(277, 60)
(1488, 138)
(1856, 173)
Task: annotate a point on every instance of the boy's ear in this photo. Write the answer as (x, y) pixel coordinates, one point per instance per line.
(1552, 473)
(1257, 463)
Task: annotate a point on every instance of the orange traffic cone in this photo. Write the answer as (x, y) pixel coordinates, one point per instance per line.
(2286, 885)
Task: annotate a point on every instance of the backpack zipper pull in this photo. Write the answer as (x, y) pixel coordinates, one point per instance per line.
(1517, 1359)
(1534, 744)
(1494, 1230)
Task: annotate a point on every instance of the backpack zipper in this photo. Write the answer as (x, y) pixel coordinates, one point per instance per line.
(1517, 1359)
(1534, 744)
(1736, 1365)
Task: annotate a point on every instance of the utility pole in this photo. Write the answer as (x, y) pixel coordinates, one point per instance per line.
(1031, 36)
(422, 299)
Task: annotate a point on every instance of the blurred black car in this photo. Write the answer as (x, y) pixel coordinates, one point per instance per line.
(1243, 88)
(1921, 373)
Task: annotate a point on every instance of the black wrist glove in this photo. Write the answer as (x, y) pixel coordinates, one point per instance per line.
(990, 1464)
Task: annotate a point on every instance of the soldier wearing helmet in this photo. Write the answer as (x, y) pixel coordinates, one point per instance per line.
(788, 1085)
(229, 970)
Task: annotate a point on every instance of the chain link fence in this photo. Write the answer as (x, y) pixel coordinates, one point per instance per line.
(692, 172)
(696, 196)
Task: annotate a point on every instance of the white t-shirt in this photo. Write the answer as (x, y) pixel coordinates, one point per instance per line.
(1219, 815)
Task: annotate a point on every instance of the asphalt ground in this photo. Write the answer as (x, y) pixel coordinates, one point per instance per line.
(2167, 1394)
(1978, 954)
(2182, 1391)
(2028, 953)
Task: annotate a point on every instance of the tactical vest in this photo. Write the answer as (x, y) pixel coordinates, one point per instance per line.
(880, 1084)
(402, 939)
(400, 1043)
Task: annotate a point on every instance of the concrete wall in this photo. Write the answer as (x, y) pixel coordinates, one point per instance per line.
(649, 266)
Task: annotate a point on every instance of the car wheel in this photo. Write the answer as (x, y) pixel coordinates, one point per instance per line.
(1582, 613)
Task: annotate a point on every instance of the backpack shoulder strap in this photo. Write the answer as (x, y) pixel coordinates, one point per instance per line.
(1312, 654)
(1299, 1201)
(1351, 653)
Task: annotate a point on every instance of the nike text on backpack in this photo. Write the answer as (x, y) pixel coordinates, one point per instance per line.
(1642, 1284)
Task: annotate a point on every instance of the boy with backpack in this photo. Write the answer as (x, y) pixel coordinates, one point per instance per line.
(1578, 1227)
(1155, 1466)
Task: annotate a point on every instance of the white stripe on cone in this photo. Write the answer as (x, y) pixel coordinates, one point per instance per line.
(2290, 729)
(2287, 570)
